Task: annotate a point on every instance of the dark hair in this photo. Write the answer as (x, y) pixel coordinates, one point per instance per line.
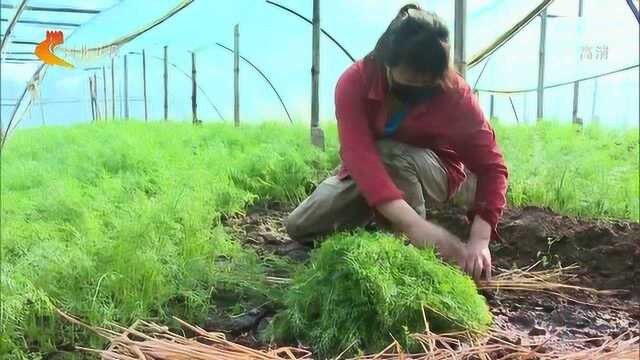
(417, 39)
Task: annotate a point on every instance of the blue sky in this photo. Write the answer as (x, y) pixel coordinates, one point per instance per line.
(280, 44)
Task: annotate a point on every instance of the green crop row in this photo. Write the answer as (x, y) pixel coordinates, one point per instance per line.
(121, 221)
(590, 172)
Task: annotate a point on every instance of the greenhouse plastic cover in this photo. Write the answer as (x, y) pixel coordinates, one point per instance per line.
(604, 39)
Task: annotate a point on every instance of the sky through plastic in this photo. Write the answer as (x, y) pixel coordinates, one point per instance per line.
(604, 39)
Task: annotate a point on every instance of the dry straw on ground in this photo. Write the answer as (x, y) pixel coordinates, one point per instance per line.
(552, 281)
(145, 340)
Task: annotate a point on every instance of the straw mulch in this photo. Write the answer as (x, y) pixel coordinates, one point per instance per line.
(145, 340)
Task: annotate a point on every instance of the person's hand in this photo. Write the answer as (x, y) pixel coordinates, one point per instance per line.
(478, 259)
(422, 233)
(451, 249)
(478, 256)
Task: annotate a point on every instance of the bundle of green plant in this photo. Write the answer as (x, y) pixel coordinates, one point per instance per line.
(363, 290)
(556, 281)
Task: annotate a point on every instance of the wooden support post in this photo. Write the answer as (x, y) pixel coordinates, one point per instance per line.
(144, 84)
(541, 58)
(491, 105)
(104, 92)
(113, 89)
(317, 135)
(236, 75)
(576, 94)
(93, 111)
(459, 36)
(576, 85)
(594, 119)
(120, 103)
(194, 88)
(166, 84)
(515, 113)
(41, 113)
(524, 107)
(126, 89)
(95, 96)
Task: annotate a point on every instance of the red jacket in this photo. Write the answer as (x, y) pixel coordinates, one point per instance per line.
(450, 123)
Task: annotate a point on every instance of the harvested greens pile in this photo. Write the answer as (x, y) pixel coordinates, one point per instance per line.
(363, 290)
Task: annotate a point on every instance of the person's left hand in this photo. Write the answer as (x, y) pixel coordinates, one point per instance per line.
(478, 259)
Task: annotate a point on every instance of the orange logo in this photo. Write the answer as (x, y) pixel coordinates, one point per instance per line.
(44, 50)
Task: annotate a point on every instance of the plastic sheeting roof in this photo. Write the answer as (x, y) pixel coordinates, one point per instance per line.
(280, 44)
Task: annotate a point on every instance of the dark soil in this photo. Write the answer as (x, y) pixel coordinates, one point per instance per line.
(605, 251)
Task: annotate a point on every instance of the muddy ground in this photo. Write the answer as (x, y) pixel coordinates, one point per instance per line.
(605, 251)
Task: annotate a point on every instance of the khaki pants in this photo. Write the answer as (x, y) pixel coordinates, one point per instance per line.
(337, 205)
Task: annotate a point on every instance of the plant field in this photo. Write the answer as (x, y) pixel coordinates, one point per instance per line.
(590, 172)
(121, 221)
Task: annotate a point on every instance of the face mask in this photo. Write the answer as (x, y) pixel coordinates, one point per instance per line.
(411, 94)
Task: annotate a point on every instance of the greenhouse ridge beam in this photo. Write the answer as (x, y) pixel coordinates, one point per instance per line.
(12, 24)
(24, 42)
(20, 59)
(37, 22)
(522, 91)
(507, 35)
(54, 9)
(19, 52)
(634, 10)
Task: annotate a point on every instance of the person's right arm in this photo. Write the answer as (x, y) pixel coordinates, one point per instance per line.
(360, 156)
(421, 232)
